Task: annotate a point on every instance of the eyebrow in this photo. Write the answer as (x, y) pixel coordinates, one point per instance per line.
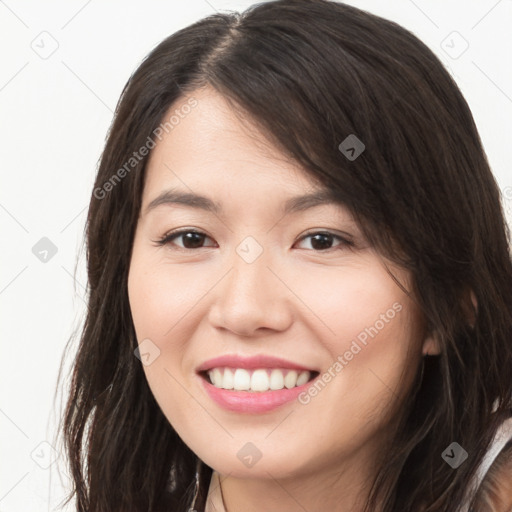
(192, 200)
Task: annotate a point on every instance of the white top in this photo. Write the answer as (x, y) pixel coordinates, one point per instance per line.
(214, 501)
(502, 437)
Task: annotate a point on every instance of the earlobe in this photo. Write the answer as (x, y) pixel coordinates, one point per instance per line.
(431, 345)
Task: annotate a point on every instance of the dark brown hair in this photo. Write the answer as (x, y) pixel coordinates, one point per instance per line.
(310, 73)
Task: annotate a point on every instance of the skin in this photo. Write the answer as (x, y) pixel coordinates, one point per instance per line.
(294, 301)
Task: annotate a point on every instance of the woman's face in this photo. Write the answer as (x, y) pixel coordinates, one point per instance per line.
(279, 295)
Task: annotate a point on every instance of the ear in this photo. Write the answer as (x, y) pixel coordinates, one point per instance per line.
(431, 345)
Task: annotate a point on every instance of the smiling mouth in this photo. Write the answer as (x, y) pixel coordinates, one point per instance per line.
(257, 380)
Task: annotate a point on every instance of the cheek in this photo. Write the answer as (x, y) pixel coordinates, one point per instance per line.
(371, 337)
(359, 305)
(161, 296)
(161, 300)
(166, 307)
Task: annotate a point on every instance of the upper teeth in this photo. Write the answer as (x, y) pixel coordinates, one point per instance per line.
(241, 379)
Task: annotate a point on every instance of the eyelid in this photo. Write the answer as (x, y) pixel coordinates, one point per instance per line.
(346, 239)
(171, 235)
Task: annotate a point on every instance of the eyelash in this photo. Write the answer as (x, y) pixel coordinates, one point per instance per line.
(167, 238)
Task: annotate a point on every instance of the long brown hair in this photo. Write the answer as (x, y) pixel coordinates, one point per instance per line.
(310, 73)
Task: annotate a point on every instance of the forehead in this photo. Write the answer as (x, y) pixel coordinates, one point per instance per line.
(213, 148)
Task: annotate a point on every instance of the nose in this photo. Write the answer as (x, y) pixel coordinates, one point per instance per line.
(251, 301)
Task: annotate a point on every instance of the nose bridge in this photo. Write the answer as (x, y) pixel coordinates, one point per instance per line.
(248, 280)
(250, 296)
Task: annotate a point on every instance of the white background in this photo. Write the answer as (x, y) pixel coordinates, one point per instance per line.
(54, 115)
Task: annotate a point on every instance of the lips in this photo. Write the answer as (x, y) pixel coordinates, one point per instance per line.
(256, 373)
(251, 363)
(254, 384)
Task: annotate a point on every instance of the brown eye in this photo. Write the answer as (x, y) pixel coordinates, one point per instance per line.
(322, 241)
(191, 239)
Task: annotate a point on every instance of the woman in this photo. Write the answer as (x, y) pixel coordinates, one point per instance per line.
(299, 278)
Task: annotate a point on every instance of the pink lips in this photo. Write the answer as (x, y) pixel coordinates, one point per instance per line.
(247, 401)
(253, 362)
